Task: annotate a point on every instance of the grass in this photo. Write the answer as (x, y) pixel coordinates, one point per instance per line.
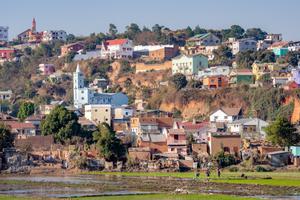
(143, 197)
(260, 178)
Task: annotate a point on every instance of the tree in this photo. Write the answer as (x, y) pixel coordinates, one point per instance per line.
(245, 59)
(225, 159)
(199, 30)
(44, 50)
(132, 30)
(222, 56)
(109, 145)
(6, 138)
(282, 133)
(179, 81)
(62, 124)
(71, 38)
(26, 109)
(256, 33)
(112, 30)
(293, 58)
(265, 56)
(189, 32)
(235, 31)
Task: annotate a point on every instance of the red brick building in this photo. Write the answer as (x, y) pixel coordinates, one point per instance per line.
(164, 53)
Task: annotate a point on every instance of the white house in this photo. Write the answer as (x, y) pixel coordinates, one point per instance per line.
(214, 71)
(249, 128)
(85, 95)
(6, 95)
(206, 39)
(225, 114)
(3, 33)
(294, 46)
(117, 49)
(242, 45)
(54, 35)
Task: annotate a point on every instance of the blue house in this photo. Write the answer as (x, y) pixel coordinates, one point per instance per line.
(280, 51)
(295, 150)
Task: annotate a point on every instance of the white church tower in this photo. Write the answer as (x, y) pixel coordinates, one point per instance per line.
(80, 92)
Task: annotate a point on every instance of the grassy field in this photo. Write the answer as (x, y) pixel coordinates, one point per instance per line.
(169, 197)
(145, 197)
(261, 178)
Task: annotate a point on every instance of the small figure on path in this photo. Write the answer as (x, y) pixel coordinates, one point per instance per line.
(219, 172)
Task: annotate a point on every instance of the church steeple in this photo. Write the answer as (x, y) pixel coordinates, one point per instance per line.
(33, 27)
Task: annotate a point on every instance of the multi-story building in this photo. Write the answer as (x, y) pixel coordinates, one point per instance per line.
(273, 38)
(226, 142)
(85, 95)
(98, 113)
(241, 76)
(189, 65)
(3, 33)
(211, 82)
(243, 45)
(207, 39)
(164, 53)
(117, 49)
(177, 142)
(54, 35)
(73, 47)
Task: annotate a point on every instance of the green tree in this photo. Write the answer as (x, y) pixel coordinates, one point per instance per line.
(26, 109)
(44, 50)
(293, 58)
(6, 138)
(256, 33)
(112, 30)
(245, 59)
(225, 159)
(109, 145)
(222, 56)
(282, 133)
(199, 30)
(62, 124)
(179, 81)
(189, 32)
(132, 30)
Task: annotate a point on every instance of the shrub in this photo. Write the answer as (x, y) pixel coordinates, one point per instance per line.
(233, 169)
(260, 168)
(225, 159)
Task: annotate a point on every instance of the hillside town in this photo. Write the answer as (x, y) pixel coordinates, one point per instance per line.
(149, 100)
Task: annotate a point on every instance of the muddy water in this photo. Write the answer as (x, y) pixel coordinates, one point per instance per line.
(93, 185)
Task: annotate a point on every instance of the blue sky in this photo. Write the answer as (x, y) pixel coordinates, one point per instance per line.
(82, 17)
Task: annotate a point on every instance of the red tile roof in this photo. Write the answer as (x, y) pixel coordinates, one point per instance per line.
(115, 42)
(19, 125)
(193, 126)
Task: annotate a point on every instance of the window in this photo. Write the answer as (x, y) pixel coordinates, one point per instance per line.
(176, 137)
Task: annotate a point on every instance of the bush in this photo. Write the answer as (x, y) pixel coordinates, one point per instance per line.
(225, 159)
(233, 169)
(260, 168)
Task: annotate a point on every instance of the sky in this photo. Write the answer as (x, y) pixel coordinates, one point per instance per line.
(82, 17)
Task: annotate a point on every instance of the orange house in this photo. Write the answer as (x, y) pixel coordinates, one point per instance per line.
(215, 82)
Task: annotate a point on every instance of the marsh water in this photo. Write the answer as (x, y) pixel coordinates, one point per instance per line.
(98, 185)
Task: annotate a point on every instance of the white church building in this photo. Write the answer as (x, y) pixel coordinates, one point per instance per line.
(86, 96)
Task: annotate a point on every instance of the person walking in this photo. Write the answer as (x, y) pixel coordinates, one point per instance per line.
(219, 172)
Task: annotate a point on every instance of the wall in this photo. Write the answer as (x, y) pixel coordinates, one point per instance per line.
(218, 143)
(142, 67)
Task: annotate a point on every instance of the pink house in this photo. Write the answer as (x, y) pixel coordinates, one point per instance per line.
(47, 69)
(177, 142)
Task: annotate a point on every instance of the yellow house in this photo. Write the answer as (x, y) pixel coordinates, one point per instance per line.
(98, 113)
(259, 69)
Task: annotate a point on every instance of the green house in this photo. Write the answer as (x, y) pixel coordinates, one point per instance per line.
(280, 51)
(241, 76)
(189, 64)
